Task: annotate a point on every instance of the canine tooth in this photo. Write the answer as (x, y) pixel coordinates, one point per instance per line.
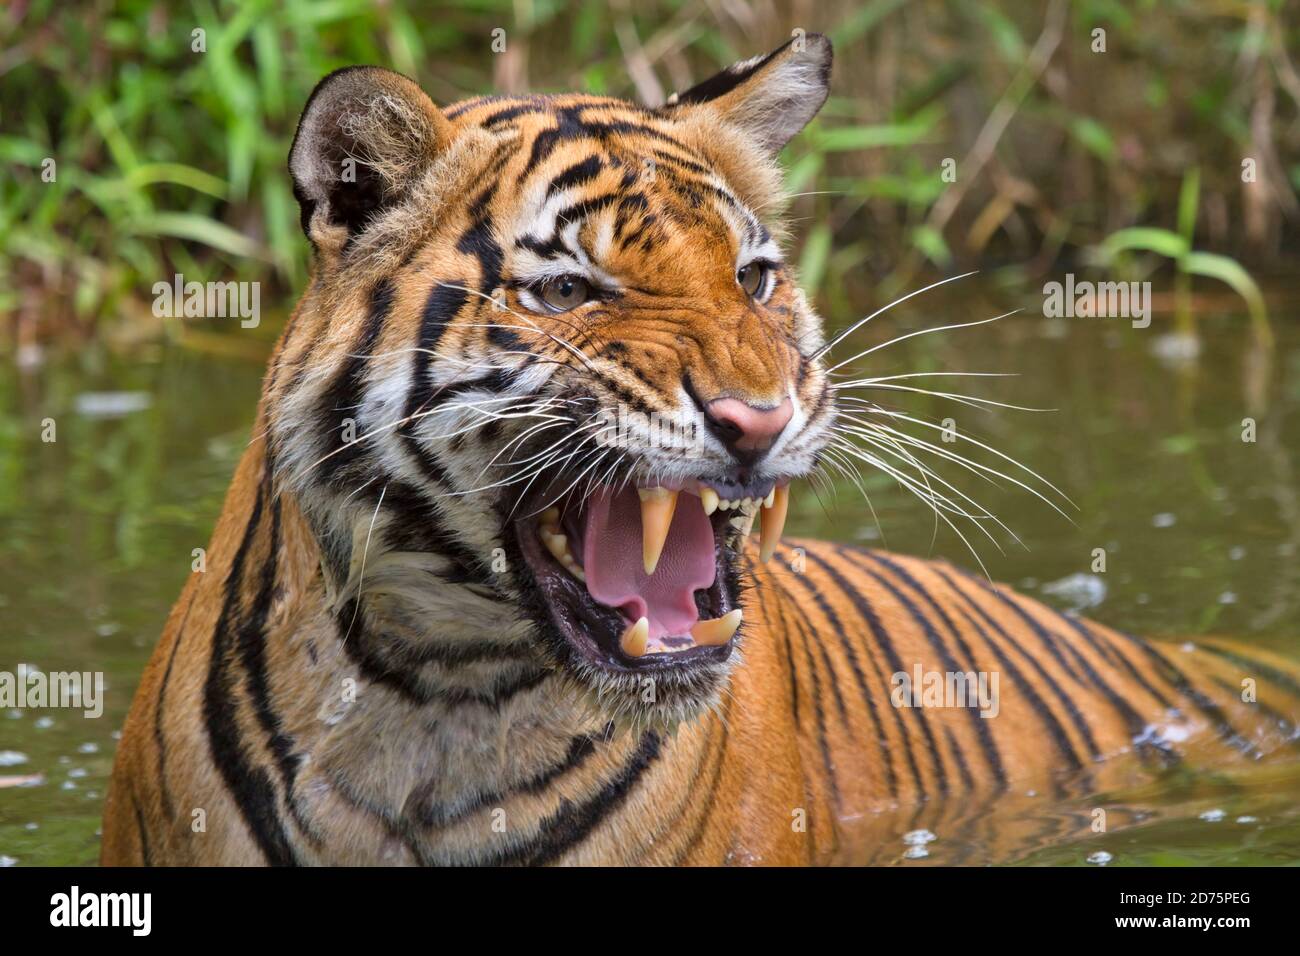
(773, 522)
(709, 497)
(771, 497)
(557, 544)
(634, 638)
(716, 631)
(657, 507)
(571, 566)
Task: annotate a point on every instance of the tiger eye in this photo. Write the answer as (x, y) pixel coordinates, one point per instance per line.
(565, 292)
(750, 278)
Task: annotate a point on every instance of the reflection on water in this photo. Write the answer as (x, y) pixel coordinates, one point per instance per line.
(1201, 532)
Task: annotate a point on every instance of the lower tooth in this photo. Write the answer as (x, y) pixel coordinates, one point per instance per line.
(717, 631)
(633, 641)
(557, 544)
(743, 522)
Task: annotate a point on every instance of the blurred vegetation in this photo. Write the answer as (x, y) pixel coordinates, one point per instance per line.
(170, 160)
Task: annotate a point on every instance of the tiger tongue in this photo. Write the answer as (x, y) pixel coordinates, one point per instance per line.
(612, 558)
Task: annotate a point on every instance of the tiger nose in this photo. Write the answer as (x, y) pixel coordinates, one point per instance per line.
(747, 430)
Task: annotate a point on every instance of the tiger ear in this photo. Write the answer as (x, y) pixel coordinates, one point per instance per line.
(366, 135)
(770, 98)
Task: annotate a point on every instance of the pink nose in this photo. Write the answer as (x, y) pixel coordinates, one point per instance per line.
(746, 428)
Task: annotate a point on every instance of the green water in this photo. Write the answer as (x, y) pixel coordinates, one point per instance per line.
(1201, 532)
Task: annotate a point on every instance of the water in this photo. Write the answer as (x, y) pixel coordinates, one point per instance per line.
(1201, 533)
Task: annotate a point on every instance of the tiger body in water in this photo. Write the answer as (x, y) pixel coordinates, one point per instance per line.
(444, 622)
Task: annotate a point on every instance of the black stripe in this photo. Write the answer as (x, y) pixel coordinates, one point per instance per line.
(509, 113)
(1128, 666)
(250, 786)
(577, 174)
(1268, 671)
(443, 815)
(1198, 699)
(250, 643)
(720, 84)
(440, 309)
(572, 823)
(1054, 727)
(864, 692)
(981, 725)
(868, 614)
(818, 714)
(1047, 640)
(791, 672)
(342, 399)
(145, 855)
(708, 802)
(1135, 722)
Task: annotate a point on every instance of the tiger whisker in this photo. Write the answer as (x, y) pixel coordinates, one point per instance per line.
(973, 401)
(909, 335)
(1005, 457)
(840, 336)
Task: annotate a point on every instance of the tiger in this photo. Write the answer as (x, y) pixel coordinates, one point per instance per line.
(471, 601)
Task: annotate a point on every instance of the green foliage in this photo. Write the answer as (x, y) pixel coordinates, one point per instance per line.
(171, 159)
(1189, 262)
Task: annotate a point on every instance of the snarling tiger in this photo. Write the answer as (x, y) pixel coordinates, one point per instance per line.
(485, 588)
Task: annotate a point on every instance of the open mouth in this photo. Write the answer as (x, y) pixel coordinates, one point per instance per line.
(637, 578)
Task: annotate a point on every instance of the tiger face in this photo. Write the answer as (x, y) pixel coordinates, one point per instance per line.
(551, 369)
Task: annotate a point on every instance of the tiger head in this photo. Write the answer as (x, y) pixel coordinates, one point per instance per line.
(550, 369)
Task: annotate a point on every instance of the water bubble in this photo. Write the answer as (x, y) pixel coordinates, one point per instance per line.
(1213, 816)
(1164, 520)
(88, 748)
(44, 723)
(1247, 819)
(918, 837)
(29, 827)
(1227, 597)
(7, 860)
(1236, 554)
(68, 785)
(111, 404)
(1078, 591)
(1101, 858)
(1176, 349)
(76, 773)
(11, 758)
(915, 853)
(15, 714)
